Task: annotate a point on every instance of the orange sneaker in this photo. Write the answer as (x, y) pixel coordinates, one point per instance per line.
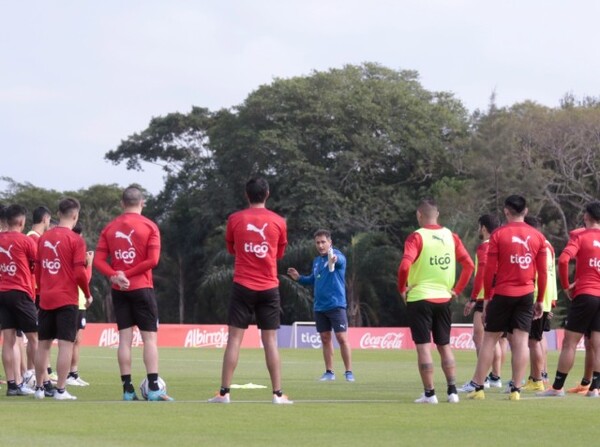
(579, 389)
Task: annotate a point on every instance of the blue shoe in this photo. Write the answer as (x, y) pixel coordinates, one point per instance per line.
(129, 396)
(327, 377)
(158, 395)
(349, 376)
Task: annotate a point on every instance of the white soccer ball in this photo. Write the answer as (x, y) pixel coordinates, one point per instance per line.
(144, 387)
(29, 379)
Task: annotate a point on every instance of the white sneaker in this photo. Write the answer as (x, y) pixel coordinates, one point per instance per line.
(64, 395)
(453, 398)
(486, 383)
(495, 383)
(76, 381)
(427, 400)
(466, 388)
(218, 399)
(39, 393)
(24, 390)
(283, 400)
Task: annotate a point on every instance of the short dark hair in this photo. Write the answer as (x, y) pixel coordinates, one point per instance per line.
(68, 205)
(428, 206)
(13, 213)
(515, 204)
(2, 213)
(533, 221)
(257, 190)
(322, 232)
(489, 221)
(132, 196)
(593, 210)
(39, 213)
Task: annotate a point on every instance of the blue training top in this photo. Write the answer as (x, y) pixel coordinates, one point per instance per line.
(330, 287)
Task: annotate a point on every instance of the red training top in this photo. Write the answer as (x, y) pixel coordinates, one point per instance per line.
(132, 242)
(17, 258)
(60, 268)
(584, 247)
(516, 252)
(257, 237)
(412, 249)
(482, 251)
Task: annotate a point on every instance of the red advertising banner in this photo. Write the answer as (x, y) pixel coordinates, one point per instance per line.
(215, 336)
(171, 335)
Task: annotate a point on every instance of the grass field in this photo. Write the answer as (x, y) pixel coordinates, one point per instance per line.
(375, 410)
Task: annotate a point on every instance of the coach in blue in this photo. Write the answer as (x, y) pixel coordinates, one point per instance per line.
(328, 280)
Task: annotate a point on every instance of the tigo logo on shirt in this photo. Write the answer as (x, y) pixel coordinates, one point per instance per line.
(10, 268)
(260, 250)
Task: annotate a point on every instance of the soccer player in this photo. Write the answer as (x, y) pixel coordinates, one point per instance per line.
(426, 278)
(516, 251)
(73, 378)
(537, 342)
(132, 242)
(257, 237)
(584, 314)
(487, 224)
(584, 386)
(330, 301)
(60, 269)
(41, 221)
(17, 310)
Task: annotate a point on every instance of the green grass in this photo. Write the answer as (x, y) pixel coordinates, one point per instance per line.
(375, 410)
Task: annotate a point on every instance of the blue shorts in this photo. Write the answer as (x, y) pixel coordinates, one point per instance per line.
(336, 319)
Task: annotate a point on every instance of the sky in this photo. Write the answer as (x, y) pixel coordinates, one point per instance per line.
(78, 77)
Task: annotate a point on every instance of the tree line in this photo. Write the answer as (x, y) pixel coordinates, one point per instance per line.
(352, 150)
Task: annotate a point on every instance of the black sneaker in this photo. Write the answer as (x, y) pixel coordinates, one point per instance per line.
(49, 391)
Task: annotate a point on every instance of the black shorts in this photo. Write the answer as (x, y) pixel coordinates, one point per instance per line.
(81, 320)
(17, 311)
(505, 313)
(59, 323)
(426, 319)
(336, 319)
(539, 326)
(478, 306)
(136, 308)
(264, 304)
(584, 315)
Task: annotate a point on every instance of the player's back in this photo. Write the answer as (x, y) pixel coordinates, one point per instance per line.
(60, 251)
(17, 251)
(257, 237)
(516, 246)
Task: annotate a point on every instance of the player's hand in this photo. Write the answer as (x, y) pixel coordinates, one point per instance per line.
(469, 305)
(89, 258)
(293, 273)
(569, 291)
(538, 311)
(403, 296)
(120, 280)
(553, 305)
(88, 301)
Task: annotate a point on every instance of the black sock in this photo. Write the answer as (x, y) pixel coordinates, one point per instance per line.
(74, 374)
(493, 377)
(49, 370)
(559, 380)
(223, 391)
(476, 386)
(330, 371)
(153, 382)
(452, 389)
(429, 393)
(127, 385)
(595, 381)
(278, 393)
(12, 385)
(544, 375)
(514, 388)
(48, 385)
(585, 382)
(60, 390)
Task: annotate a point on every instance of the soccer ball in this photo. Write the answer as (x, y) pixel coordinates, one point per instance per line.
(29, 379)
(144, 387)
